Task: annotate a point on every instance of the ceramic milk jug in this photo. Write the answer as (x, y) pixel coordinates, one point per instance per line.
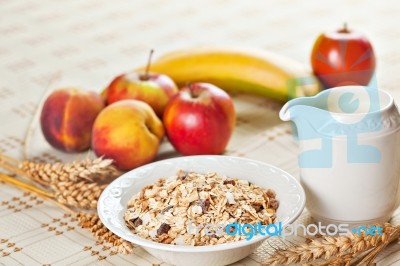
(349, 153)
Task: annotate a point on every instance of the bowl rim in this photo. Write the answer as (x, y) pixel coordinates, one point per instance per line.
(145, 243)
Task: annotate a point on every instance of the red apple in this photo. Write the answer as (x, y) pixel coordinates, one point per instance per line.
(200, 119)
(343, 57)
(154, 89)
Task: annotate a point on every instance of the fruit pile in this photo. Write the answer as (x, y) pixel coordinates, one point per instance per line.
(128, 121)
(199, 119)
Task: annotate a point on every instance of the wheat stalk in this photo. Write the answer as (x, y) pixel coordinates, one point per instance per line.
(27, 187)
(77, 184)
(88, 221)
(339, 248)
(81, 194)
(98, 170)
(93, 223)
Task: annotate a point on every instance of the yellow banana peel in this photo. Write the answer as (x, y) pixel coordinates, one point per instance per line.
(252, 71)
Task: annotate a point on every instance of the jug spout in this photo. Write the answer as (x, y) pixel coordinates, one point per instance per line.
(290, 111)
(284, 114)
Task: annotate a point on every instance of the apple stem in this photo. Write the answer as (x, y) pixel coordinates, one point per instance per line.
(344, 29)
(192, 90)
(146, 73)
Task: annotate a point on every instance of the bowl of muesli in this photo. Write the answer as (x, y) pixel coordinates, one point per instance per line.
(201, 210)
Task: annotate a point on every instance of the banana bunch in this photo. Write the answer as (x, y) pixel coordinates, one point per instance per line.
(250, 71)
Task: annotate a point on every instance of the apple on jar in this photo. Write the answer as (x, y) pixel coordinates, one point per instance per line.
(343, 57)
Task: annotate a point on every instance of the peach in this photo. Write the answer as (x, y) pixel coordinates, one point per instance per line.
(129, 132)
(67, 118)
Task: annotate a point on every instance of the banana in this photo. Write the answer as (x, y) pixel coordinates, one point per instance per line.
(250, 71)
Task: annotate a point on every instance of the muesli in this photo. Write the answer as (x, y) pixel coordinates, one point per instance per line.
(165, 210)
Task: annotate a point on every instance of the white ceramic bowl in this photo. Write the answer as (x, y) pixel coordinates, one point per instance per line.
(113, 204)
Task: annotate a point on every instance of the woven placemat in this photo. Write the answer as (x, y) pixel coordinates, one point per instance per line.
(89, 42)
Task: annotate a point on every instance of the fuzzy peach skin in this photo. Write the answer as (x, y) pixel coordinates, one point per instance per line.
(129, 132)
(154, 89)
(67, 118)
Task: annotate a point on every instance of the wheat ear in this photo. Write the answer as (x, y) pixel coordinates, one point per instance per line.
(88, 221)
(332, 247)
